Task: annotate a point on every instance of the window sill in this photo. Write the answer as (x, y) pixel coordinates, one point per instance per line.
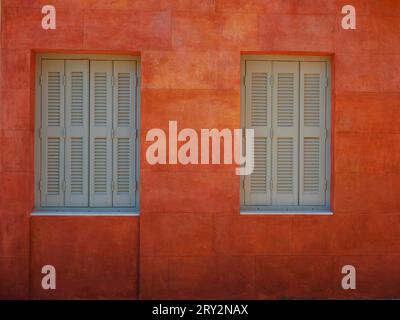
(128, 212)
(287, 212)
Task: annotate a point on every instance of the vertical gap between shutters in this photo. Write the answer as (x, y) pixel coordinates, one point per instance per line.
(89, 131)
(112, 136)
(64, 79)
(271, 156)
(298, 132)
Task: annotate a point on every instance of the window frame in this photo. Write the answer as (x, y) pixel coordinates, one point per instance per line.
(299, 209)
(76, 211)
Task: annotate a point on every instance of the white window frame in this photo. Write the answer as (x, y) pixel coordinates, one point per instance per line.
(84, 211)
(290, 210)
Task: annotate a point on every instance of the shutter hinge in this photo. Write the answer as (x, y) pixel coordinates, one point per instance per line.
(270, 80)
(136, 133)
(326, 82)
(136, 185)
(112, 81)
(326, 185)
(271, 184)
(40, 80)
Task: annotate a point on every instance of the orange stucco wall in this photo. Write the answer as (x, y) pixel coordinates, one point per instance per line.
(193, 243)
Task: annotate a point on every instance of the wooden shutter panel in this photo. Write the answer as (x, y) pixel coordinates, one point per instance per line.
(285, 133)
(100, 133)
(124, 134)
(52, 133)
(77, 133)
(258, 117)
(312, 132)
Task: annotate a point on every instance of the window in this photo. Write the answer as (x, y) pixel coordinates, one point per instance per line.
(87, 133)
(286, 102)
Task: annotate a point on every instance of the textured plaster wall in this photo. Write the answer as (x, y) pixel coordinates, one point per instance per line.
(193, 243)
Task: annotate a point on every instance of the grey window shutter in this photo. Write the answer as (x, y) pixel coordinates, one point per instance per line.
(77, 133)
(285, 133)
(258, 117)
(52, 133)
(100, 133)
(124, 140)
(313, 83)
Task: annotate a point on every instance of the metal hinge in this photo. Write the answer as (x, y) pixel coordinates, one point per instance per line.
(326, 133)
(136, 185)
(136, 134)
(326, 185)
(41, 80)
(271, 80)
(243, 184)
(326, 82)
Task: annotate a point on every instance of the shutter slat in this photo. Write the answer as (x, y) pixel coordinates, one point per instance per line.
(312, 131)
(52, 151)
(258, 117)
(100, 134)
(124, 127)
(77, 133)
(285, 128)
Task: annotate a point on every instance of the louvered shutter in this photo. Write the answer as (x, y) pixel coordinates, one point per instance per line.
(312, 132)
(124, 133)
(100, 133)
(77, 125)
(285, 133)
(258, 117)
(52, 133)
